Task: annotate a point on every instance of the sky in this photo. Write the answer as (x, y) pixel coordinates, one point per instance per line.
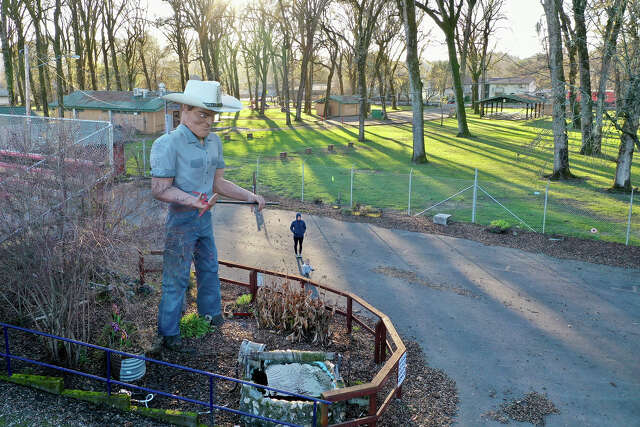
(516, 35)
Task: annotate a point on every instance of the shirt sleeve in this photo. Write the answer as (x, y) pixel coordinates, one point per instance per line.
(163, 158)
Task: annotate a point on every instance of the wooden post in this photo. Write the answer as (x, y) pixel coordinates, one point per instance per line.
(373, 407)
(253, 284)
(501, 105)
(380, 342)
(324, 414)
(349, 314)
(141, 267)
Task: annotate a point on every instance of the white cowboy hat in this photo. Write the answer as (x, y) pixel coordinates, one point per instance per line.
(207, 95)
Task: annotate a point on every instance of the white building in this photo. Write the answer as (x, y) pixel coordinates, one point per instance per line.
(4, 96)
(495, 86)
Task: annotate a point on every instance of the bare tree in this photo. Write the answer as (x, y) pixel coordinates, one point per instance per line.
(363, 15)
(112, 11)
(37, 13)
(586, 104)
(615, 17)
(628, 102)
(6, 50)
(307, 15)
(560, 140)
(446, 17)
(572, 50)
(408, 12)
(284, 22)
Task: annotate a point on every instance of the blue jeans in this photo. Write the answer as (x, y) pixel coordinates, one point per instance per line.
(188, 238)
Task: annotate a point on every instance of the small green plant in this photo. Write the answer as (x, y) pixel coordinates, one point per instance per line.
(356, 328)
(244, 299)
(499, 226)
(194, 326)
(117, 334)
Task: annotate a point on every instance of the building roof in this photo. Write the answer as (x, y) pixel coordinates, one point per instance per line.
(14, 111)
(510, 80)
(111, 100)
(341, 99)
(520, 98)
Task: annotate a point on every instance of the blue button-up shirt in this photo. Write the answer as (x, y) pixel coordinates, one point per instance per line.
(192, 165)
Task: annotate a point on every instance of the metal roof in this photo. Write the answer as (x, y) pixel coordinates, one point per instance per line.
(520, 98)
(341, 99)
(14, 111)
(111, 100)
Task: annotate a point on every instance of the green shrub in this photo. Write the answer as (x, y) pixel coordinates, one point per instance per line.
(244, 299)
(194, 326)
(499, 226)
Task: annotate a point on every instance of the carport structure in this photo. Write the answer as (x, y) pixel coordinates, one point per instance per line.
(534, 106)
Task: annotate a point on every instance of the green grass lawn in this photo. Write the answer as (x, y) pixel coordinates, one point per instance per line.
(510, 169)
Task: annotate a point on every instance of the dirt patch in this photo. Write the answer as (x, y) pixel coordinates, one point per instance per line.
(532, 408)
(412, 277)
(594, 251)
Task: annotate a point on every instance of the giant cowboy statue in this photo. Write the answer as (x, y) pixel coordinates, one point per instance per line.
(187, 168)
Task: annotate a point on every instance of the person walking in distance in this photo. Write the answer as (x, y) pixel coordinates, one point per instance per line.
(298, 228)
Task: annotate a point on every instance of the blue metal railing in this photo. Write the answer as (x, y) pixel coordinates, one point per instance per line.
(108, 380)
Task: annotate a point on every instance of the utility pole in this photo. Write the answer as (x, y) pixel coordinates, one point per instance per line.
(27, 94)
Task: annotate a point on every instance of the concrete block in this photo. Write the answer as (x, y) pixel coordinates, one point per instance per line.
(441, 219)
(53, 385)
(179, 418)
(119, 401)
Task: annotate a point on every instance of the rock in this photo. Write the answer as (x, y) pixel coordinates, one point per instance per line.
(441, 219)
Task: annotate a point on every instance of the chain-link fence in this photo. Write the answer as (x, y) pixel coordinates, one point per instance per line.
(46, 163)
(540, 206)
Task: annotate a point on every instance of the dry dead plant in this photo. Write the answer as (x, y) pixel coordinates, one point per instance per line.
(67, 232)
(286, 309)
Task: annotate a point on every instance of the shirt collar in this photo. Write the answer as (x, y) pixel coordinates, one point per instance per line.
(191, 137)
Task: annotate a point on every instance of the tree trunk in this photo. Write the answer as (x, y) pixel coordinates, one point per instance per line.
(612, 29)
(463, 129)
(58, 52)
(77, 42)
(308, 91)
(41, 53)
(6, 52)
(560, 140)
(361, 62)
(586, 104)
(114, 59)
(105, 57)
(327, 93)
(144, 66)
(340, 80)
(306, 56)
(630, 111)
(407, 8)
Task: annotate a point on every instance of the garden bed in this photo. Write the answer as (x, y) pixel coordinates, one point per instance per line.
(429, 396)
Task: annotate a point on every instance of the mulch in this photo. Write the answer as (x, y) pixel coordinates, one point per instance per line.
(429, 396)
(563, 247)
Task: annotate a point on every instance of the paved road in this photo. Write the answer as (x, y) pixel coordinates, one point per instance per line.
(500, 321)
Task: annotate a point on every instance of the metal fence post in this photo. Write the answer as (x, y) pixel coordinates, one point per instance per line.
(629, 220)
(108, 373)
(6, 349)
(111, 160)
(409, 202)
(544, 213)
(351, 190)
(144, 158)
(257, 170)
(302, 193)
(475, 197)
